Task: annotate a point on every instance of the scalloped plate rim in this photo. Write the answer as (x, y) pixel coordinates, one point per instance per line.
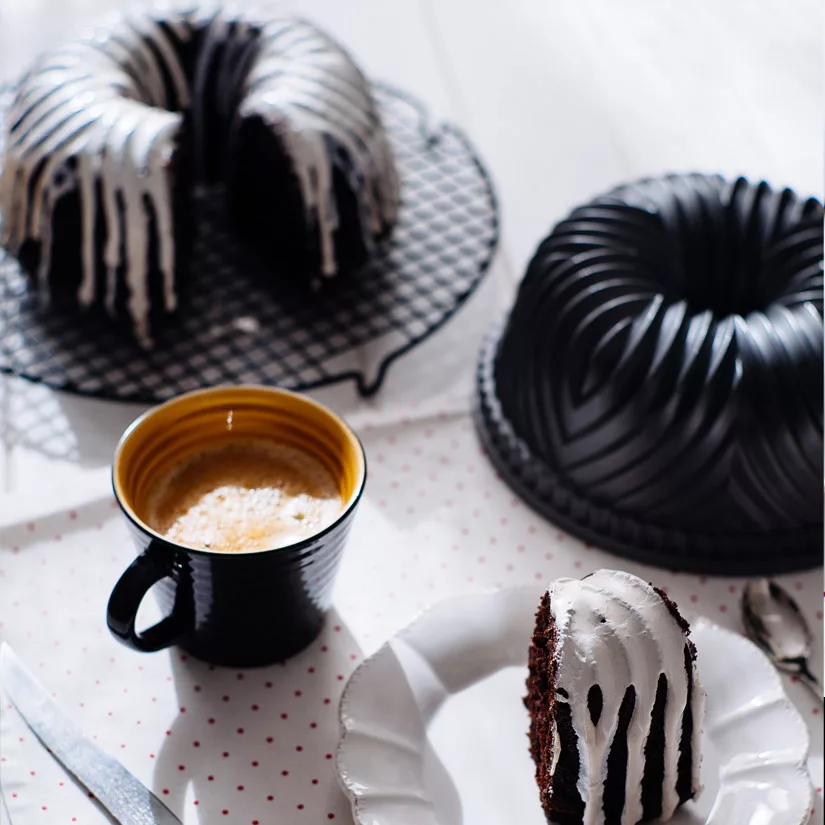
(698, 622)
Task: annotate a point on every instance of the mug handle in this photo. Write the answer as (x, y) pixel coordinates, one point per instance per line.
(146, 570)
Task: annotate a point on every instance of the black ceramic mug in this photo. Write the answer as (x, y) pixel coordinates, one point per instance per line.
(239, 609)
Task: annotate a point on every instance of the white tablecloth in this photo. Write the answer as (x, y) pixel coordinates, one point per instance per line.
(563, 100)
(435, 522)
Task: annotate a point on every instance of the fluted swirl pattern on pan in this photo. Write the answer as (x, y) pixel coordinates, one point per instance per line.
(664, 357)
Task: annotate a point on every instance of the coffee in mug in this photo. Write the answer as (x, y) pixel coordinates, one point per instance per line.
(240, 500)
(246, 494)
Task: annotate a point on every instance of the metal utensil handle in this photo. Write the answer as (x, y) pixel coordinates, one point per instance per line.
(118, 791)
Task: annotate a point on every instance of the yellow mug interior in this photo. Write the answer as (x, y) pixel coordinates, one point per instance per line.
(170, 433)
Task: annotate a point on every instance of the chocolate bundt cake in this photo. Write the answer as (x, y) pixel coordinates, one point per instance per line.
(614, 700)
(107, 137)
(657, 388)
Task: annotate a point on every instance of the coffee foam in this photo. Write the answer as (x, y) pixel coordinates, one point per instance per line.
(250, 494)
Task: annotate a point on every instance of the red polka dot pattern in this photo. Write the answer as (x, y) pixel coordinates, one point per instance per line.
(258, 746)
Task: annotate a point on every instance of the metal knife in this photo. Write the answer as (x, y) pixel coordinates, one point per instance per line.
(117, 790)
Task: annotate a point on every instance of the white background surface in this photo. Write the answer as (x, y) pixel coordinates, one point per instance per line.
(563, 100)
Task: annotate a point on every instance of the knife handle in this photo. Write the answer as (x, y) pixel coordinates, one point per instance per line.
(152, 566)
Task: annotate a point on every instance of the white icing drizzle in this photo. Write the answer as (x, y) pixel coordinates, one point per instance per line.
(93, 118)
(88, 217)
(615, 631)
(80, 118)
(314, 96)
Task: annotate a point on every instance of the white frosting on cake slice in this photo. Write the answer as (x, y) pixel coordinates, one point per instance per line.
(615, 631)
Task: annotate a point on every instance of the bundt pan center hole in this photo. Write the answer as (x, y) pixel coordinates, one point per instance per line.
(723, 246)
(726, 269)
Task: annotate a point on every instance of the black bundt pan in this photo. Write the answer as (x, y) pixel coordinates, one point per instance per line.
(657, 388)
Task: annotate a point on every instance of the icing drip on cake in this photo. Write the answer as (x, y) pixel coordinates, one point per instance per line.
(104, 117)
(96, 112)
(311, 93)
(615, 631)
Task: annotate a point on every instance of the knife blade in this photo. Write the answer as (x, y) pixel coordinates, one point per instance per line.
(117, 790)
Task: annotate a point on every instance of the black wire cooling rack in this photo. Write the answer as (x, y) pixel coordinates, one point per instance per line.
(235, 329)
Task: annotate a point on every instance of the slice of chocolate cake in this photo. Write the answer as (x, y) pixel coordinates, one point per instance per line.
(615, 703)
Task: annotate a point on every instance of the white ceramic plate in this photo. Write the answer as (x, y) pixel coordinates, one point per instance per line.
(434, 731)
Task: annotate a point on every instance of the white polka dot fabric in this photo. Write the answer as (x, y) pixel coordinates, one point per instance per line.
(256, 746)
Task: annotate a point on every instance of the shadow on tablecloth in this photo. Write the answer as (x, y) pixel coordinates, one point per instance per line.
(228, 749)
(60, 425)
(16, 536)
